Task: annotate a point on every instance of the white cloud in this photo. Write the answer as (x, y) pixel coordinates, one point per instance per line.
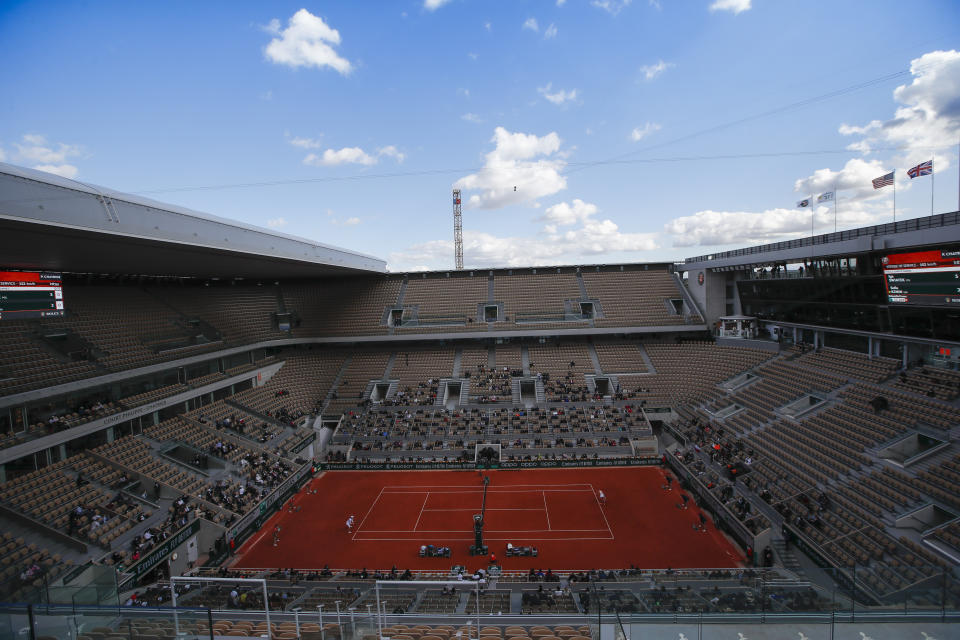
(560, 3)
(349, 222)
(390, 151)
(267, 95)
(472, 55)
(859, 204)
(736, 6)
(531, 24)
(639, 133)
(3, 155)
(274, 223)
(928, 121)
(34, 150)
(463, 92)
(346, 155)
(471, 117)
(651, 71)
(558, 97)
(850, 130)
(717, 228)
(854, 180)
(488, 26)
(551, 32)
(433, 5)
(563, 214)
(331, 157)
(306, 42)
(480, 249)
(306, 143)
(515, 172)
(613, 7)
(65, 170)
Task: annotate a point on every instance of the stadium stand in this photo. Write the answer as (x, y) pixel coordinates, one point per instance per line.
(450, 303)
(157, 405)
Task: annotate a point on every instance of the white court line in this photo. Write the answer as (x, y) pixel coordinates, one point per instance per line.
(473, 486)
(427, 497)
(488, 509)
(377, 499)
(511, 539)
(545, 510)
(480, 491)
(490, 531)
(600, 506)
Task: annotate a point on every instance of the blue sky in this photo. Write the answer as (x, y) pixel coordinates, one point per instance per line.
(718, 116)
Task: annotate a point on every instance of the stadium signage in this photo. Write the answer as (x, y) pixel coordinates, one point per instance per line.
(303, 445)
(256, 517)
(159, 554)
(507, 464)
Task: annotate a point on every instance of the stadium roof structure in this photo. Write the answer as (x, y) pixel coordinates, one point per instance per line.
(52, 223)
(943, 228)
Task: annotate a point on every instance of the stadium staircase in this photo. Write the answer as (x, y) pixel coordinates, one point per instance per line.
(281, 303)
(335, 383)
(515, 390)
(457, 362)
(691, 305)
(646, 359)
(391, 390)
(392, 360)
(592, 350)
(944, 455)
(785, 555)
(582, 286)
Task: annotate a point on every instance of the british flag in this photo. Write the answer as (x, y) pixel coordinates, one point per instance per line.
(922, 169)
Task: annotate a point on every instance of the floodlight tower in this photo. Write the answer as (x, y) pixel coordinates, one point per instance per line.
(457, 230)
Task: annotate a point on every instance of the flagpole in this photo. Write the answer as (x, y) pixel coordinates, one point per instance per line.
(932, 172)
(834, 208)
(894, 198)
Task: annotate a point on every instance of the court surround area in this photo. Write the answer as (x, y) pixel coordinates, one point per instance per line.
(558, 511)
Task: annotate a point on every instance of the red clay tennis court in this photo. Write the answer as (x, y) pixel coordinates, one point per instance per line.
(558, 511)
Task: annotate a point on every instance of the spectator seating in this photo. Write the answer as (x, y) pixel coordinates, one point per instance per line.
(241, 313)
(297, 389)
(941, 384)
(634, 297)
(535, 297)
(341, 306)
(620, 357)
(364, 366)
(445, 302)
(849, 364)
(418, 373)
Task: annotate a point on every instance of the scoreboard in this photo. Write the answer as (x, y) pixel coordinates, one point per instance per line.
(923, 277)
(30, 294)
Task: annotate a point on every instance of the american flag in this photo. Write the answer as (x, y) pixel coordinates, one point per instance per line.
(883, 181)
(922, 169)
